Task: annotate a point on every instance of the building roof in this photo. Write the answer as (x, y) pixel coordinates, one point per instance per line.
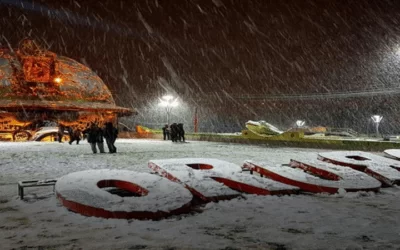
(48, 81)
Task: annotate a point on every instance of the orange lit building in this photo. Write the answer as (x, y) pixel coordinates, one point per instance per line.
(38, 85)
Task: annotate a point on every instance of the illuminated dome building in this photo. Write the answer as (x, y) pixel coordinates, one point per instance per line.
(38, 86)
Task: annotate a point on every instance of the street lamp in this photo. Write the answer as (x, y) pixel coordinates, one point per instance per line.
(300, 123)
(169, 102)
(377, 119)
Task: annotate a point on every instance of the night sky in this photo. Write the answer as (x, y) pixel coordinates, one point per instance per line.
(330, 62)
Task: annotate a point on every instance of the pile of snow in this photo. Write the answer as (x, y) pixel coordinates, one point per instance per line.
(262, 127)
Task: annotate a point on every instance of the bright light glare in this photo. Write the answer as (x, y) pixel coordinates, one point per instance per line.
(57, 80)
(168, 103)
(376, 118)
(163, 103)
(397, 50)
(175, 103)
(168, 97)
(300, 123)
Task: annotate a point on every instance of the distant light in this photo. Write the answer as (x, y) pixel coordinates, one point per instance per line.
(168, 101)
(377, 118)
(300, 123)
(57, 80)
(168, 97)
(397, 50)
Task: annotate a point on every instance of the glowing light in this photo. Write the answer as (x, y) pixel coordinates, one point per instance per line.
(168, 97)
(397, 50)
(57, 80)
(300, 123)
(169, 102)
(376, 118)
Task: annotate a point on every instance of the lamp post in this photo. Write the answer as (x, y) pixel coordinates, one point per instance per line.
(300, 123)
(169, 102)
(377, 119)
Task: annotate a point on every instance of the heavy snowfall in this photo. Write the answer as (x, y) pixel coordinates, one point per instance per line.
(332, 64)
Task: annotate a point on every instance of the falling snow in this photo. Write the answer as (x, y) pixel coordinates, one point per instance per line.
(332, 64)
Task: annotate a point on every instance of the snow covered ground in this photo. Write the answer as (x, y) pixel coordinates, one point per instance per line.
(342, 221)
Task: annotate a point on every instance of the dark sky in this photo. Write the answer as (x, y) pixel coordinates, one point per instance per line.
(225, 55)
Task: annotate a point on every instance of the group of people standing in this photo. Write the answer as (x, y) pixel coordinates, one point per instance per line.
(174, 132)
(94, 135)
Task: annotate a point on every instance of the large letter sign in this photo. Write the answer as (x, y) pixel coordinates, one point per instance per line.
(171, 193)
(212, 179)
(194, 174)
(156, 197)
(316, 176)
(394, 154)
(381, 168)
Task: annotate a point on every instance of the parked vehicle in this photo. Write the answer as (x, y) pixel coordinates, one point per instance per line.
(49, 134)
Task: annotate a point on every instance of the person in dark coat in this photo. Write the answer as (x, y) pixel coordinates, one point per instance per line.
(165, 131)
(71, 135)
(111, 134)
(181, 132)
(74, 135)
(77, 135)
(95, 137)
(60, 133)
(174, 132)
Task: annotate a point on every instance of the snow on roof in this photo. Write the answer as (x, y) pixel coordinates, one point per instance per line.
(81, 187)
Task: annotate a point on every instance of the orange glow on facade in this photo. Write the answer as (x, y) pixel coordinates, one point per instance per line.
(31, 93)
